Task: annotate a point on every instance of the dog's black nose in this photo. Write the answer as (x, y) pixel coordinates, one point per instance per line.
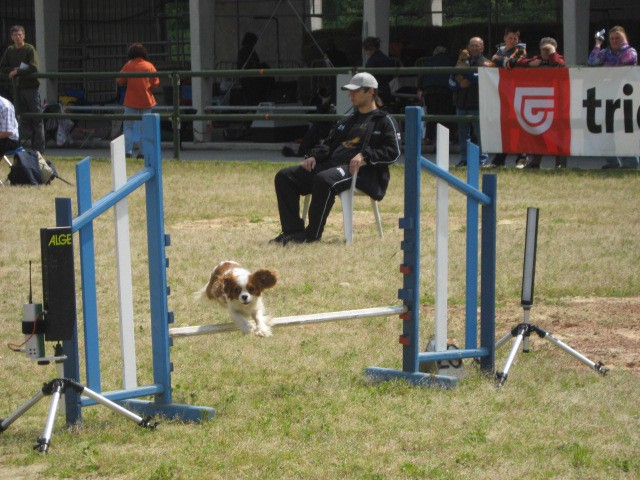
(244, 297)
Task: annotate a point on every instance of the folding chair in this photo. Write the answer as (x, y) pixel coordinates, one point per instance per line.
(86, 136)
(346, 198)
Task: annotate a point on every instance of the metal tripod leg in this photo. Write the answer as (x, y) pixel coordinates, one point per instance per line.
(4, 424)
(143, 422)
(520, 330)
(598, 367)
(56, 389)
(44, 441)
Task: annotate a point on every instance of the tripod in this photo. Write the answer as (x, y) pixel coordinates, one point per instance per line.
(523, 331)
(56, 388)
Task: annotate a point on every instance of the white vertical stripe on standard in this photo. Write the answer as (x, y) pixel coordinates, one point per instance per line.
(442, 240)
(490, 128)
(123, 256)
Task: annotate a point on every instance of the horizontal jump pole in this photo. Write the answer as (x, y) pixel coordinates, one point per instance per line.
(294, 320)
(455, 182)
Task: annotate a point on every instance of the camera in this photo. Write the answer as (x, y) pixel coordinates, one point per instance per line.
(599, 35)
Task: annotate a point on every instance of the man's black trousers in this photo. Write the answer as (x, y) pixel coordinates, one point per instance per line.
(323, 183)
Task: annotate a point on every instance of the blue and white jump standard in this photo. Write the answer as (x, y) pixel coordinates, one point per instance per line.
(151, 177)
(410, 268)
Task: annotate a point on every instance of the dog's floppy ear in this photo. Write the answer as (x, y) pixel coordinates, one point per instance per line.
(216, 288)
(228, 282)
(265, 278)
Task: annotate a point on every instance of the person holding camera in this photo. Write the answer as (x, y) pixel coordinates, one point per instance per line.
(508, 55)
(618, 54)
(548, 57)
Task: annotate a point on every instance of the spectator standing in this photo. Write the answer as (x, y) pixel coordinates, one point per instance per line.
(466, 96)
(367, 142)
(433, 91)
(138, 98)
(548, 57)
(507, 56)
(618, 54)
(19, 61)
(377, 59)
(248, 59)
(9, 133)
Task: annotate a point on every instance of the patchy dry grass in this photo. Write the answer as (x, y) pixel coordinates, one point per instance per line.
(296, 405)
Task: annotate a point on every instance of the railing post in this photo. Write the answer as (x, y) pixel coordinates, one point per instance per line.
(175, 116)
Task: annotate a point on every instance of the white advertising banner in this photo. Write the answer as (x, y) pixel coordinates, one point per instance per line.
(561, 111)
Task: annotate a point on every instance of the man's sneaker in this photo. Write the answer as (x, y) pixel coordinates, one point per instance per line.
(279, 239)
(521, 161)
(491, 165)
(461, 164)
(531, 165)
(299, 237)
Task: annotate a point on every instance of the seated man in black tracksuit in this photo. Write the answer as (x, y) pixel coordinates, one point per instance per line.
(367, 142)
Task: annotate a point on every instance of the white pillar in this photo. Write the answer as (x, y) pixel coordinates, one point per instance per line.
(201, 19)
(47, 39)
(316, 8)
(436, 15)
(375, 21)
(578, 41)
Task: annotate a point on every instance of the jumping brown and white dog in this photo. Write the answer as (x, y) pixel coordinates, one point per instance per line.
(241, 292)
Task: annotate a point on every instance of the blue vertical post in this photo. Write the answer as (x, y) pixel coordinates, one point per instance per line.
(488, 273)
(157, 241)
(88, 268)
(471, 308)
(410, 293)
(71, 365)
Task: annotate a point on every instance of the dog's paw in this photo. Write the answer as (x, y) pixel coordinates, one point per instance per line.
(263, 332)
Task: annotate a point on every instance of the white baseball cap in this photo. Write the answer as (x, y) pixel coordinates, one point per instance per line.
(360, 80)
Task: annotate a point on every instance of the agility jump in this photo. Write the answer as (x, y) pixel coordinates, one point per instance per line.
(150, 176)
(410, 293)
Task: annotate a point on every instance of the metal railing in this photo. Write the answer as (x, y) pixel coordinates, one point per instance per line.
(176, 116)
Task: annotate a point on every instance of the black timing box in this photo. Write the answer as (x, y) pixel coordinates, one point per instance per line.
(58, 283)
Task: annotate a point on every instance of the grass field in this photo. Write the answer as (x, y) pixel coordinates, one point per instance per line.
(297, 405)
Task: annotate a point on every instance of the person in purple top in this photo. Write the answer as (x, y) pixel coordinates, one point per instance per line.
(619, 54)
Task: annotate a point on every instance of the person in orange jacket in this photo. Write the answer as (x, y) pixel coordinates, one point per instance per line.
(138, 98)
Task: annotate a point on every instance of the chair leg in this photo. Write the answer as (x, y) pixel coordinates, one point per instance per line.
(305, 207)
(346, 198)
(376, 214)
(88, 137)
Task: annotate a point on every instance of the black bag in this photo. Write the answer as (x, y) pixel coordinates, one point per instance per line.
(27, 169)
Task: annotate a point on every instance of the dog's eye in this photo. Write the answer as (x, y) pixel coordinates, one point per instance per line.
(251, 289)
(237, 290)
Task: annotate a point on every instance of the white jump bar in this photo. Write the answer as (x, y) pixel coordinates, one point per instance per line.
(294, 320)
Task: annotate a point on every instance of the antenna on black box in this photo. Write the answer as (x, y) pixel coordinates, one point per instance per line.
(30, 285)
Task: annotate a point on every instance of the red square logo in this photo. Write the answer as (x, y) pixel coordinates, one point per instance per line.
(535, 111)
